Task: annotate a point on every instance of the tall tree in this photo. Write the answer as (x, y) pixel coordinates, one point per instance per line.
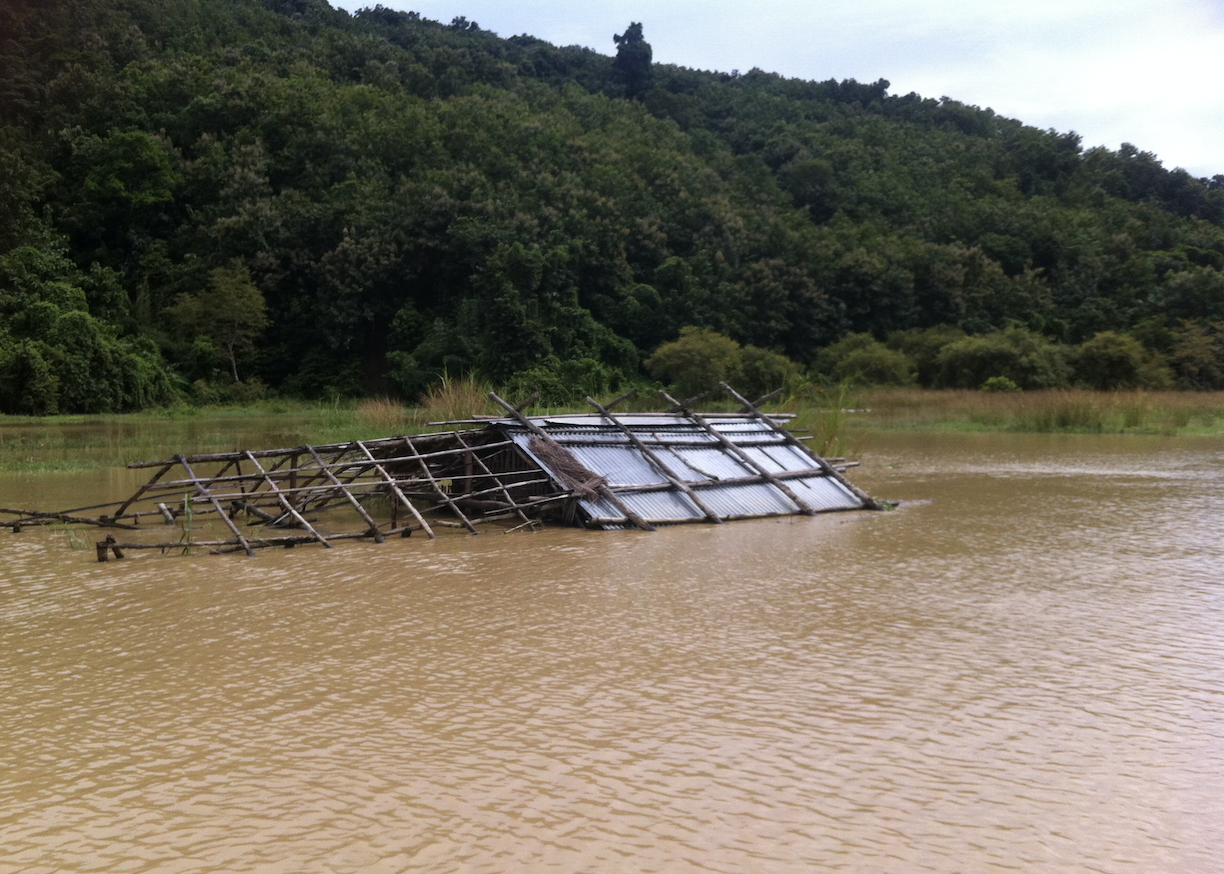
(633, 61)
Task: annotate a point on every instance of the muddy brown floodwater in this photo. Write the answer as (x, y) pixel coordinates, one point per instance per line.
(1025, 674)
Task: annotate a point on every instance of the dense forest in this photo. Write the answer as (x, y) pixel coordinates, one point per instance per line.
(211, 200)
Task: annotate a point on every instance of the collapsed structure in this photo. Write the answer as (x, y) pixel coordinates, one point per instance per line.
(598, 470)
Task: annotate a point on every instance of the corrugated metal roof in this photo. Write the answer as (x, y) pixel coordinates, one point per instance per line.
(603, 448)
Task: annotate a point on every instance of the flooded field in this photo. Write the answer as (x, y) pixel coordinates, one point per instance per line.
(1021, 671)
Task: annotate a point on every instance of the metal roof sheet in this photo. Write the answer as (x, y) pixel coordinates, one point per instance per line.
(603, 448)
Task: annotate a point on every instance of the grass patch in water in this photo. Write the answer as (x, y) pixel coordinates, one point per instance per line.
(1061, 411)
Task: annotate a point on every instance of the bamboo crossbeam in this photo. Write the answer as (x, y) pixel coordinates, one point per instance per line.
(208, 495)
(868, 501)
(437, 487)
(394, 487)
(604, 491)
(743, 456)
(337, 447)
(658, 462)
(484, 467)
(301, 520)
(361, 511)
(140, 491)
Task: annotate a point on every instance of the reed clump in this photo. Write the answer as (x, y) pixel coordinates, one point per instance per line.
(826, 413)
(454, 398)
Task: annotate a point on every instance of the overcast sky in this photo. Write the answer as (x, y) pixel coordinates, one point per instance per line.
(1147, 72)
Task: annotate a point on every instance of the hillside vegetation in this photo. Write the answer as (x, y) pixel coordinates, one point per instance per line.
(214, 199)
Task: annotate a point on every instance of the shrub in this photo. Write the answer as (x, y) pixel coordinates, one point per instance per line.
(1113, 361)
(862, 359)
(1000, 384)
(696, 361)
(1027, 359)
(877, 365)
(762, 371)
(923, 346)
(829, 359)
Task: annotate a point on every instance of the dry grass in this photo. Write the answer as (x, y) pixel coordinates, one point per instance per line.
(455, 398)
(1045, 411)
(385, 416)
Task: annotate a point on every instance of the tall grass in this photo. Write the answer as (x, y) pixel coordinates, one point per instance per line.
(826, 413)
(385, 416)
(1074, 411)
(455, 398)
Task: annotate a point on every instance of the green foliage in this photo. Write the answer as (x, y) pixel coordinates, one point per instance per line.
(877, 365)
(1198, 355)
(863, 360)
(1000, 384)
(412, 197)
(697, 361)
(1027, 359)
(228, 315)
(922, 346)
(1118, 361)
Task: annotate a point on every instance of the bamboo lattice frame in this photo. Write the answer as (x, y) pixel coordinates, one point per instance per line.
(375, 489)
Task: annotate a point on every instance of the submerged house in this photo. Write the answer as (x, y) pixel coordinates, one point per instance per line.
(598, 470)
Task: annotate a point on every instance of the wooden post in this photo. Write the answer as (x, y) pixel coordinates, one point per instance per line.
(391, 484)
(361, 511)
(205, 493)
(654, 459)
(605, 492)
(140, 491)
(612, 403)
(437, 487)
(286, 503)
(500, 485)
(743, 456)
(791, 440)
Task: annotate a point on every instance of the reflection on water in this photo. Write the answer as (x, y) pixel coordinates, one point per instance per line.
(1022, 675)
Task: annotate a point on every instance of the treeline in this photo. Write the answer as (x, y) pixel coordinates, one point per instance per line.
(216, 199)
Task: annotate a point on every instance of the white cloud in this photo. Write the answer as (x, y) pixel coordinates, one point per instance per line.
(1149, 73)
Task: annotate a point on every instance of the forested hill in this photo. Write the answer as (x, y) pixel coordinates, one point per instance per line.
(410, 198)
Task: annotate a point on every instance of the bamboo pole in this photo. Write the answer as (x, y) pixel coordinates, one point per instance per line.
(207, 494)
(394, 487)
(140, 491)
(604, 491)
(484, 467)
(658, 462)
(361, 511)
(437, 487)
(286, 503)
(740, 454)
(869, 502)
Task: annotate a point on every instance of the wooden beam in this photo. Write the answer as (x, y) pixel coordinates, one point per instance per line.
(287, 504)
(205, 493)
(681, 406)
(140, 491)
(869, 502)
(745, 458)
(764, 399)
(659, 464)
(395, 490)
(506, 492)
(612, 403)
(361, 511)
(604, 492)
(528, 401)
(437, 487)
